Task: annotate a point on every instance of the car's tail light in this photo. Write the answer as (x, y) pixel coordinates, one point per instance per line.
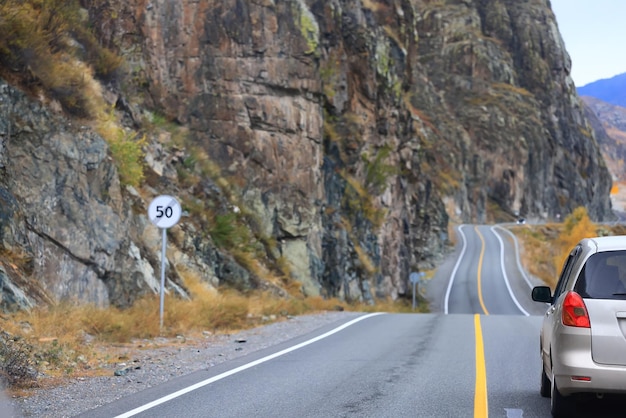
(575, 311)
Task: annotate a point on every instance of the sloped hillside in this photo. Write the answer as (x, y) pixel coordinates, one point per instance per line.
(609, 123)
(612, 119)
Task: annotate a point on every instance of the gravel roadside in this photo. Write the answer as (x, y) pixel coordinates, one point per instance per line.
(150, 363)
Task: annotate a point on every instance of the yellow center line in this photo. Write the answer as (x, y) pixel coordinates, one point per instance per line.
(480, 267)
(481, 409)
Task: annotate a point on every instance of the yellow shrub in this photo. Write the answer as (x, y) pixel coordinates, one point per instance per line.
(614, 189)
(576, 227)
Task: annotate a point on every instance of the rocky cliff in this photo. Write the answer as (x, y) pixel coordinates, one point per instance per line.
(317, 147)
(609, 123)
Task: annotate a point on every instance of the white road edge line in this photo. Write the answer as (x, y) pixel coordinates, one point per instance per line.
(519, 264)
(506, 277)
(456, 267)
(242, 368)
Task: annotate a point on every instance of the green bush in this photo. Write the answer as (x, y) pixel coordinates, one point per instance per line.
(377, 172)
(226, 232)
(127, 153)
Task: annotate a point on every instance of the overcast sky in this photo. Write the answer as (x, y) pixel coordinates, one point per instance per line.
(594, 32)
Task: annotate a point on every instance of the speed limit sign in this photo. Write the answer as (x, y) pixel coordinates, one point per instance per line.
(164, 211)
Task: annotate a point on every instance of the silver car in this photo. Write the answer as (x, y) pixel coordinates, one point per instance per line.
(583, 336)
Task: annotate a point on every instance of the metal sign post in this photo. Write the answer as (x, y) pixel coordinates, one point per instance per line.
(164, 211)
(415, 279)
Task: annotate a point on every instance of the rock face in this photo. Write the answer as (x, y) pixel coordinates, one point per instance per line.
(345, 133)
(64, 223)
(609, 124)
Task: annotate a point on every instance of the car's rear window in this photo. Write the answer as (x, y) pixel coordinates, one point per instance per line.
(603, 276)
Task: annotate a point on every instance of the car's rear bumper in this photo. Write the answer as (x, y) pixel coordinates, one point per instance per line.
(576, 362)
(604, 379)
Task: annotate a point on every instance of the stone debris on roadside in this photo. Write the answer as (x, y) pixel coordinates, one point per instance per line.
(157, 363)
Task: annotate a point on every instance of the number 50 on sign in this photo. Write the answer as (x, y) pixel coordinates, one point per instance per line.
(164, 211)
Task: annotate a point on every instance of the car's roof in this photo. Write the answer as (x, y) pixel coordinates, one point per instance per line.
(601, 244)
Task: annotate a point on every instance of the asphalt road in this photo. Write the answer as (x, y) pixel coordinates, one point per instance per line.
(487, 277)
(477, 355)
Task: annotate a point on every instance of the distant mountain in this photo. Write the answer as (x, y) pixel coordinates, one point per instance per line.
(609, 123)
(610, 90)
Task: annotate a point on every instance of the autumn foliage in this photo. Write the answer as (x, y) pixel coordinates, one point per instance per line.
(576, 227)
(545, 247)
(614, 189)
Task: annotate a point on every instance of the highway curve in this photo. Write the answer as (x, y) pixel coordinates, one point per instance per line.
(476, 355)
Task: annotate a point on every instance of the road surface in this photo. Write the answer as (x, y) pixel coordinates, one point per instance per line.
(477, 355)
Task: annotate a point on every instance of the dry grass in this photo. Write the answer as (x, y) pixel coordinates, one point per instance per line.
(544, 248)
(40, 40)
(358, 199)
(58, 58)
(365, 260)
(371, 5)
(511, 88)
(68, 340)
(418, 114)
(537, 250)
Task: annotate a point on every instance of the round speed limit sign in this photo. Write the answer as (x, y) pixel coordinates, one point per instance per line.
(164, 211)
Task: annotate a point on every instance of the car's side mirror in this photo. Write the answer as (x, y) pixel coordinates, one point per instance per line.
(542, 294)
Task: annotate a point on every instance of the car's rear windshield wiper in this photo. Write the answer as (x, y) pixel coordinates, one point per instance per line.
(619, 294)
